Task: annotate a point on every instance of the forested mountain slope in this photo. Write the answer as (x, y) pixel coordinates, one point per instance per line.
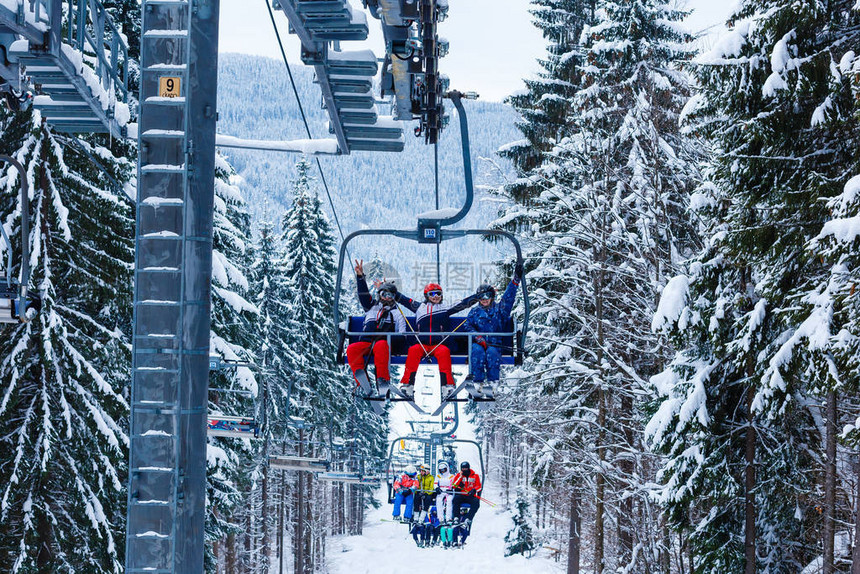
(369, 189)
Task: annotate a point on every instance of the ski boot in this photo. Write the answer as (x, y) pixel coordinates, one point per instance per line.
(382, 387)
(408, 389)
(489, 388)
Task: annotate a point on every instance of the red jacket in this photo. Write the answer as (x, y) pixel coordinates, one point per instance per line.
(405, 481)
(468, 485)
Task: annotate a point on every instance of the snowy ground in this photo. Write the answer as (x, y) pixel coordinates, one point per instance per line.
(388, 547)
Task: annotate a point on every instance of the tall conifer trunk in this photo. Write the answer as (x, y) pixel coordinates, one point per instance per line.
(266, 551)
(573, 537)
(829, 529)
(299, 517)
(600, 484)
(749, 486)
(625, 465)
(855, 556)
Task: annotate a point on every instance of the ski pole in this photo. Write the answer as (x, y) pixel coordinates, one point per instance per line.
(417, 338)
(482, 499)
(445, 337)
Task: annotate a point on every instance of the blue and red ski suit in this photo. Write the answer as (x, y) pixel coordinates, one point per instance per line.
(404, 487)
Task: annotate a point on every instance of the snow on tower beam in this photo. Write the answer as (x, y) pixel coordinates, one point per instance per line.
(305, 146)
(298, 463)
(350, 478)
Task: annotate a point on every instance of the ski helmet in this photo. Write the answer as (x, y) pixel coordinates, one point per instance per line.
(442, 466)
(465, 466)
(387, 287)
(431, 288)
(486, 289)
(410, 471)
(424, 467)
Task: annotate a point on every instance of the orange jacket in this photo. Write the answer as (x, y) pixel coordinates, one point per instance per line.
(405, 481)
(468, 485)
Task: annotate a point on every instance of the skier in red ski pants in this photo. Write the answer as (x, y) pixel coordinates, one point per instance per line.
(431, 316)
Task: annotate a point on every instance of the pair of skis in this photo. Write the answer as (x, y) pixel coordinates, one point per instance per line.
(391, 393)
(473, 395)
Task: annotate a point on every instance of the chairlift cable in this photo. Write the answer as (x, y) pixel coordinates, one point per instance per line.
(305, 121)
(436, 184)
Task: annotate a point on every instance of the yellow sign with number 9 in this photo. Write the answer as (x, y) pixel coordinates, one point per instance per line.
(168, 87)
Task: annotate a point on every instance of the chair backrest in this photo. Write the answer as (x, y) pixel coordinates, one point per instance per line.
(458, 344)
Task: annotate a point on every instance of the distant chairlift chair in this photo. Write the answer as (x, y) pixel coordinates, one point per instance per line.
(14, 298)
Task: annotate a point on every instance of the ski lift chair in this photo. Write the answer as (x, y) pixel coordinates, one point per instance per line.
(352, 470)
(428, 446)
(319, 462)
(512, 348)
(227, 426)
(233, 427)
(431, 230)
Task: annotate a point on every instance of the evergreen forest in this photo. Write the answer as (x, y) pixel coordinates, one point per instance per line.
(690, 219)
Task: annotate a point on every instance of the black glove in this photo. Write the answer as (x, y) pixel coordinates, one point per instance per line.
(438, 490)
(518, 270)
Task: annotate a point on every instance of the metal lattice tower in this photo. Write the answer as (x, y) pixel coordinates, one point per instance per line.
(173, 267)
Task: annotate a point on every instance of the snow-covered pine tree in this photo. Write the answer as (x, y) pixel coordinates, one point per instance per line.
(309, 295)
(605, 225)
(64, 375)
(832, 307)
(823, 326)
(546, 104)
(233, 463)
(275, 358)
(739, 410)
(520, 539)
(322, 391)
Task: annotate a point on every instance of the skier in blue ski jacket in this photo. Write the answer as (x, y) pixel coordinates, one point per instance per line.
(430, 537)
(490, 317)
(462, 526)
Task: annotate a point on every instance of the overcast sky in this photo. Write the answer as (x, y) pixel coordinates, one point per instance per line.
(493, 42)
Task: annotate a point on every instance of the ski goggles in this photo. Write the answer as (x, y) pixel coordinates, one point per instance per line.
(386, 295)
(486, 296)
(434, 293)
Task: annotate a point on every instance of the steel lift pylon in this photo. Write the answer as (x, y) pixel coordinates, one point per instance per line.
(173, 250)
(173, 267)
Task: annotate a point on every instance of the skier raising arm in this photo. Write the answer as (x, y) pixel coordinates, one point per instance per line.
(490, 317)
(431, 316)
(380, 318)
